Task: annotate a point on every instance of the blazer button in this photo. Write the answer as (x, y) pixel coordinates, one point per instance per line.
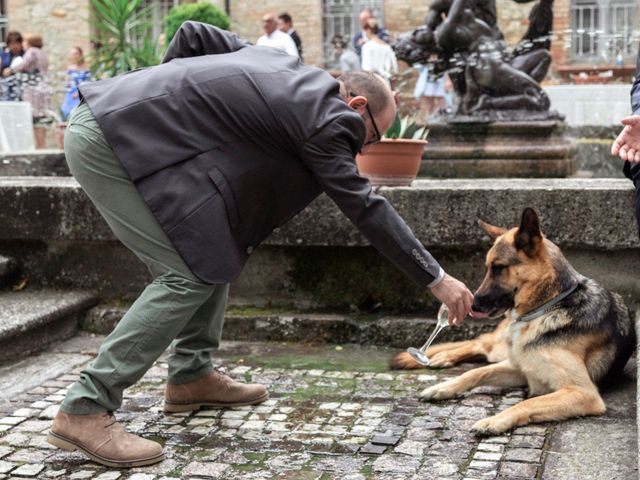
(249, 250)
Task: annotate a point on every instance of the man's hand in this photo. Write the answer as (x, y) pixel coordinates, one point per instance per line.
(627, 145)
(456, 296)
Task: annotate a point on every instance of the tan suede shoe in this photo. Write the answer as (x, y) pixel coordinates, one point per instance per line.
(212, 390)
(103, 440)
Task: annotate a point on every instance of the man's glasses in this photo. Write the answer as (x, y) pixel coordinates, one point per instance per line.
(373, 122)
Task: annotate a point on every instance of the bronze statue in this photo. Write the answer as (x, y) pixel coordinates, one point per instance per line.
(462, 38)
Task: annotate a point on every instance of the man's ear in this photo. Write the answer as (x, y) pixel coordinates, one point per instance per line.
(357, 102)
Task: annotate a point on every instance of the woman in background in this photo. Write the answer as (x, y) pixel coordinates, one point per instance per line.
(31, 78)
(377, 56)
(77, 74)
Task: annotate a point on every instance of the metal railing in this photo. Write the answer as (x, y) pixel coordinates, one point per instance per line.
(603, 30)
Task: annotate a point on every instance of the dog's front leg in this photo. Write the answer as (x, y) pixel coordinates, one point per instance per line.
(571, 401)
(503, 374)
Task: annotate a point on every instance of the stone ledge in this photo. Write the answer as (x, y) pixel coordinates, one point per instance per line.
(390, 331)
(589, 213)
(31, 320)
(34, 162)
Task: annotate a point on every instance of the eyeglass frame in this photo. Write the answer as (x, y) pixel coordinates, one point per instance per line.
(373, 122)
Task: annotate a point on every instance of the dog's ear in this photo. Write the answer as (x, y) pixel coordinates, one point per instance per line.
(493, 231)
(529, 237)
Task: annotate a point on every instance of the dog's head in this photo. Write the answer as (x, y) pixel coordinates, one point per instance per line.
(519, 267)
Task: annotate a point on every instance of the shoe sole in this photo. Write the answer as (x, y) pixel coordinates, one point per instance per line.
(186, 407)
(66, 444)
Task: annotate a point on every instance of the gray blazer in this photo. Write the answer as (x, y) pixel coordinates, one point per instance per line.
(227, 141)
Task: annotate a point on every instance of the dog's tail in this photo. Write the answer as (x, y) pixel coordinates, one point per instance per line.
(404, 361)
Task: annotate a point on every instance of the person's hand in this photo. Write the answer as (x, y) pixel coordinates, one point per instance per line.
(627, 145)
(456, 296)
(6, 72)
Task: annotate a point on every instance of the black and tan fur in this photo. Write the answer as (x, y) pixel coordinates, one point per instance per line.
(562, 355)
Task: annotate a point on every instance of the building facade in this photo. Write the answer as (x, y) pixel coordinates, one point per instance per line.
(587, 32)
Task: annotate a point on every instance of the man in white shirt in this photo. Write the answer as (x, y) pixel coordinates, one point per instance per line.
(275, 38)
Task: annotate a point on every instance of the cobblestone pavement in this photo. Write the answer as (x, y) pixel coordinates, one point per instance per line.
(335, 413)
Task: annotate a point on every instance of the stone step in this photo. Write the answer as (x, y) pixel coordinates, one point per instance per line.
(46, 163)
(7, 266)
(391, 331)
(8, 271)
(31, 320)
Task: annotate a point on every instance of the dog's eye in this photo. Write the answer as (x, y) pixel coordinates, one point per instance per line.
(498, 269)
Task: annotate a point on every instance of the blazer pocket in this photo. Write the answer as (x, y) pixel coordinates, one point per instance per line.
(223, 186)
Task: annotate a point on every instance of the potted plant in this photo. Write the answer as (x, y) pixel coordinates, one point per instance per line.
(395, 160)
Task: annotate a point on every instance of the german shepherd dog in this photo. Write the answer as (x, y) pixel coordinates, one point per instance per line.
(562, 335)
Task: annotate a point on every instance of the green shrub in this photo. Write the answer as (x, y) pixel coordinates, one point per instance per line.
(199, 12)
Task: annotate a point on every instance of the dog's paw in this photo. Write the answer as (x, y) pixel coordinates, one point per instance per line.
(491, 426)
(442, 391)
(441, 360)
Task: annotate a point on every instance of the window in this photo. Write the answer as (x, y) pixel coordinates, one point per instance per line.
(4, 21)
(340, 17)
(158, 9)
(602, 29)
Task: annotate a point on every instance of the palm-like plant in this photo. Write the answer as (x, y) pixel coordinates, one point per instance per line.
(406, 127)
(118, 23)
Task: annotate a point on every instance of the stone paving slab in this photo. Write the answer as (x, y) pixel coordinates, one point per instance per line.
(336, 412)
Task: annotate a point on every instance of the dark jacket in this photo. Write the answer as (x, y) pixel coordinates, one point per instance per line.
(226, 142)
(6, 57)
(633, 171)
(296, 39)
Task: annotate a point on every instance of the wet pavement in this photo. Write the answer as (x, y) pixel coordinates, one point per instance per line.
(336, 412)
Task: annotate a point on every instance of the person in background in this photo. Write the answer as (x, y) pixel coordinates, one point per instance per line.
(77, 73)
(349, 60)
(275, 38)
(361, 37)
(285, 24)
(430, 91)
(31, 78)
(377, 55)
(627, 145)
(10, 56)
(12, 51)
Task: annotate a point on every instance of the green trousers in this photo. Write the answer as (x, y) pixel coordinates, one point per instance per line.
(175, 309)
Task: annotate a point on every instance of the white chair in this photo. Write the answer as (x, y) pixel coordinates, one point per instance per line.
(16, 127)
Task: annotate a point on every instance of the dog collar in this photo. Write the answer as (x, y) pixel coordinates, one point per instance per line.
(533, 314)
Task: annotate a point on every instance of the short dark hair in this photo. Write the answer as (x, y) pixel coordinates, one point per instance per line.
(368, 85)
(13, 36)
(286, 18)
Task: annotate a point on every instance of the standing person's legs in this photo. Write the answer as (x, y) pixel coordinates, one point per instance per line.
(176, 303)
(164, 307)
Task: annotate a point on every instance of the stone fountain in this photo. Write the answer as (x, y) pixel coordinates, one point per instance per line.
(502, 125)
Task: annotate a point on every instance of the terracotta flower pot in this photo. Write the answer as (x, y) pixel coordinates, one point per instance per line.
(60, 129)
(392, 162)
